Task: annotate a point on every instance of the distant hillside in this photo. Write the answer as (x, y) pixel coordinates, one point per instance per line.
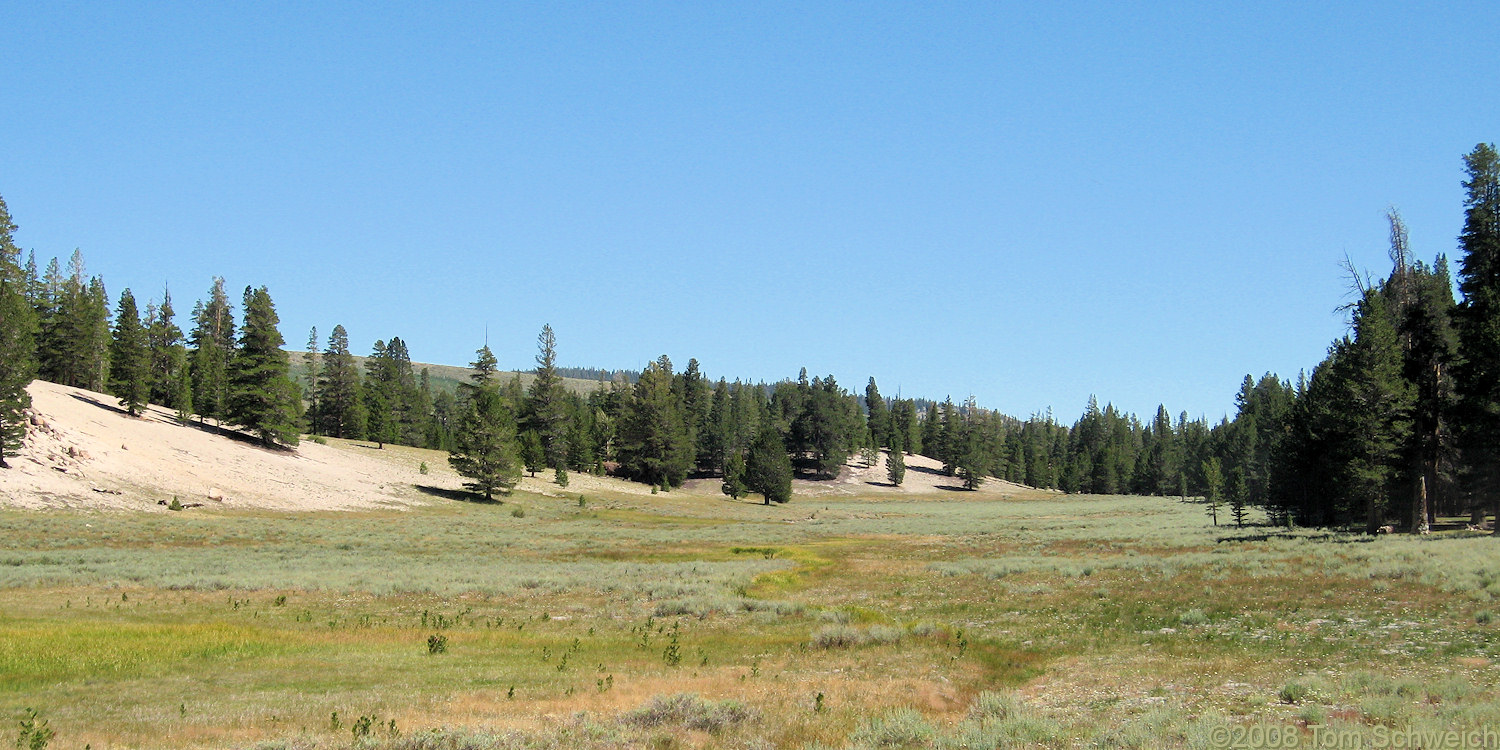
(447, 377)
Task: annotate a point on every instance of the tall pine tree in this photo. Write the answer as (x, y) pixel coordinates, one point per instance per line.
(129, 373)
(262, 396)
(17, 345)
(1478, 375)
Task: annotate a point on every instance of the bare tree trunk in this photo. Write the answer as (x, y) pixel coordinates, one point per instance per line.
(1419, 502)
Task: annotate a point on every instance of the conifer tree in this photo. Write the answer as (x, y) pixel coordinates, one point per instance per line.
(533, 455)
(734, 476)
(895, 462)
(1478, 318)
(653, 439)
(380, 396)
(341, 411)
(164, 339)
(213, 340)
(879, 418)
(130, 357)
(17, 345)
(1213, 476)
(182, 388)
(78, 331)
(310, 388)
(768, 469)
(546, 401)
(262, 396)
(484, 444)
(1239, 496)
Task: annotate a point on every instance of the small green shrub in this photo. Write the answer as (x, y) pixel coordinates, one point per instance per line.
(437, 643)
(1313, 714)
(423, 469)
(280, 601)
(1192, 618)
(175, 504)
(518, 512)
(35, 733)
(690, 711)
(845, 636)
(319, 439)
(1294, 693)
(560, 477)
(904, 727)
(1484, 617)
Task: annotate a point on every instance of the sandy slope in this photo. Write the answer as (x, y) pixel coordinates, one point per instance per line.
(86, 452)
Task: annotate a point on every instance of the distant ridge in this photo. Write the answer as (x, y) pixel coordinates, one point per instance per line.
(447, 377)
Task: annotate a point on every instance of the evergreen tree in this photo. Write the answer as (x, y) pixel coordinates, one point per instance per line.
(78, 334)
(734, 476)
(17, 345)
(213, 340)
(546, 401)
(484, 446)
(1379, 407)
(1239, 496)
(341, 412)
(1478, 318)
(654, 444)
(715, 437)
(182, 388)
(164, 339)
(879, 418)
(533, 455)
(768, 469)
(380, 391)
(697, 404)
(310, 389)
(262, 397)
(130, 357)
(1214, 478)
(895, 462)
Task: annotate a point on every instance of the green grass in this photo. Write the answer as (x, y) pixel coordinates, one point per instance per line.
(697, 621)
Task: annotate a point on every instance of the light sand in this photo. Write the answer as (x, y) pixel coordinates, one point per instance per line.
(85, 452)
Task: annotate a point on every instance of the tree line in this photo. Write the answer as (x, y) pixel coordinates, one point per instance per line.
(1400, 422)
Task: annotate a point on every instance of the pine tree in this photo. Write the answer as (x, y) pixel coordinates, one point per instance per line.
(129, 375)
(380, 396)
(1379, 408)
(164, 339)
(310, 389)
(879, 418)
(341, 412)
(484, 445)
(1478, 318)
(262, 396)
(533, 455)
(895, 462)
(1239, 496)
(213, 340)
(734, 476)
(546, 401)
(182, 388)
(17, 345)
(653, 439)
(78, 333)
(768, 469)
(1213, 477)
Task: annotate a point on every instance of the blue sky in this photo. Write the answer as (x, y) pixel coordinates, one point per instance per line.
(1030, 203)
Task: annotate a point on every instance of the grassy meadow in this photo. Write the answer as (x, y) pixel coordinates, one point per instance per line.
(691, 620)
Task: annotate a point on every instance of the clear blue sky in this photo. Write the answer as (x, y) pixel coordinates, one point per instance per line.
(1029, 202)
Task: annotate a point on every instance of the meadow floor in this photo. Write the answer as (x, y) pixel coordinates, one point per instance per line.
(687, 620)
